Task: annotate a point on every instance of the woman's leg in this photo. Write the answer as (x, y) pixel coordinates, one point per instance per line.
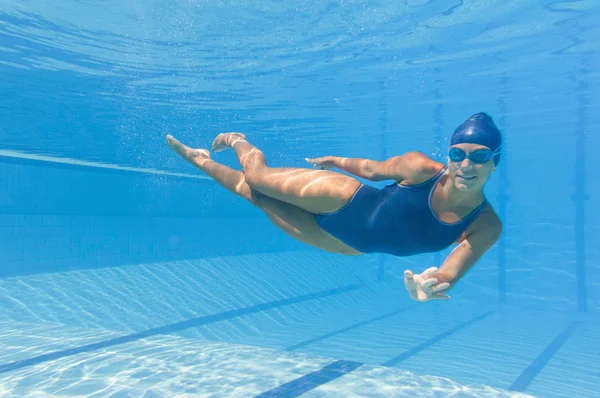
(296, 222)
(316, 191)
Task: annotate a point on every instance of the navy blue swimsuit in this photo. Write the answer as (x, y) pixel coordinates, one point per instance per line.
(397, 219)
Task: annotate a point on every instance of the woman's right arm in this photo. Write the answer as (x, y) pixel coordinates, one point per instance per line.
(410, 166)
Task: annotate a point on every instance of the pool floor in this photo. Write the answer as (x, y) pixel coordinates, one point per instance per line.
(161, 366)
(82, 333)
(464, 360)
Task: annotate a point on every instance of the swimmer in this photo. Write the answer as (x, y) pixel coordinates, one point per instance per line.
(428, 207)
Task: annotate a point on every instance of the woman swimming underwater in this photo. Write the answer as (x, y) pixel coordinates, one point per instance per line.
(429, 207)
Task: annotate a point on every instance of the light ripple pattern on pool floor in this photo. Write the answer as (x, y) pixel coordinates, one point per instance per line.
(170, 365)
(374, 381)
(20, 341)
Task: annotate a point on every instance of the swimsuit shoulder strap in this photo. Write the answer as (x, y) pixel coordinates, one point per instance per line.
(431, 180)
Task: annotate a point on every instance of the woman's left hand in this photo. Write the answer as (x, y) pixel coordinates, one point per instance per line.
(421, 286)
(323, 163)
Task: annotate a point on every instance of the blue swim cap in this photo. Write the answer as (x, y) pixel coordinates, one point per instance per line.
(479, 129)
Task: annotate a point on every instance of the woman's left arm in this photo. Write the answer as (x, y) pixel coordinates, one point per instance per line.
(485, 232)
(433, 283)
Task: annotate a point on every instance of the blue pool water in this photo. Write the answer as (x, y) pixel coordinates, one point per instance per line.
(125, 272)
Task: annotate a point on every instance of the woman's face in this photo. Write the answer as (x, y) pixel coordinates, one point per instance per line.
(468, 175)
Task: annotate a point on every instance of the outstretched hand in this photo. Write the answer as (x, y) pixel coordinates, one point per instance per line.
(421, 286)
(323, 163)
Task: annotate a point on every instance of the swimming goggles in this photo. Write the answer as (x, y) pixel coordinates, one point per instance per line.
(479, 156)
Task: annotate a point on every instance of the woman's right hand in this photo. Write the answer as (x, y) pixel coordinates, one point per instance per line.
(323, 163)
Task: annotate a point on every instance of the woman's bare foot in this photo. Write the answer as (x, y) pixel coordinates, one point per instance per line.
(190, 154)
(226, 140)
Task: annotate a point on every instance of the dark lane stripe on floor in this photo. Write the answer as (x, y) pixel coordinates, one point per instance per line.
(312, 380)
(521, 383)
(175, 327)
(348, 328)
(433, 340)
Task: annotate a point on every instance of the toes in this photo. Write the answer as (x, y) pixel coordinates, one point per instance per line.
(186, 152)
(176, 146)
(218, 141)
(171, 139)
